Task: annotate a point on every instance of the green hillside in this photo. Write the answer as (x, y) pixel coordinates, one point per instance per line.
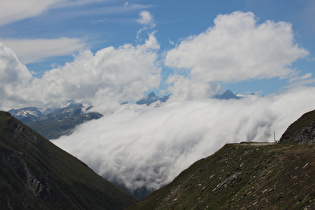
(243, 176)
(35, 174)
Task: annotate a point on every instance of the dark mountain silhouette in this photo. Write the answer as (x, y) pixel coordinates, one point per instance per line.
(36, 174)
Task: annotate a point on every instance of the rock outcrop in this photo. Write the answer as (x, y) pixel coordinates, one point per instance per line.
(301, 131)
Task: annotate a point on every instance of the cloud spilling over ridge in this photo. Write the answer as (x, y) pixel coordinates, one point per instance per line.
(107, 78)
(142, 146)
(237, 48)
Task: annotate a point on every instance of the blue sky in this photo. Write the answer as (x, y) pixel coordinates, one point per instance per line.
(45, 35)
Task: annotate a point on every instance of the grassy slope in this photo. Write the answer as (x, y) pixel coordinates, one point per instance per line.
(243, 176)
(66, 182)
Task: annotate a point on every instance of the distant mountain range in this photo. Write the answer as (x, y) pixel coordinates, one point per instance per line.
(36, 174)
(53, 123)
(230, 95)
(152, 98)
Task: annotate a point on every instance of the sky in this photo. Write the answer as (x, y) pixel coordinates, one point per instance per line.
(267, 47)
(107, 52)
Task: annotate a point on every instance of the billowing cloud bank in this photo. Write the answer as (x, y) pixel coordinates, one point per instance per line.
(107, 78)
(148, 147)
(236, 48)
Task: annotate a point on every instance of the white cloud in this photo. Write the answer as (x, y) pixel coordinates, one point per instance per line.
(34, 50)
(186, 89)
(74, 3)
(152, 42)
(236, 48)
(142, 146)
(12, 72)
(12, 75)
(107, 79)
(145, 18)
(305, 80)
(14, 10)
(304, 77)
(116, 9)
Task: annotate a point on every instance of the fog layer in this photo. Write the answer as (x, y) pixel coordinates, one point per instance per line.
(140, 146)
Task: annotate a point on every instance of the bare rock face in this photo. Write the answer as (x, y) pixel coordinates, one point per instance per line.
(301, 131)
(306, 135)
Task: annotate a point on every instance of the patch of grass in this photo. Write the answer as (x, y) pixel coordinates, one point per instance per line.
(241, 176)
